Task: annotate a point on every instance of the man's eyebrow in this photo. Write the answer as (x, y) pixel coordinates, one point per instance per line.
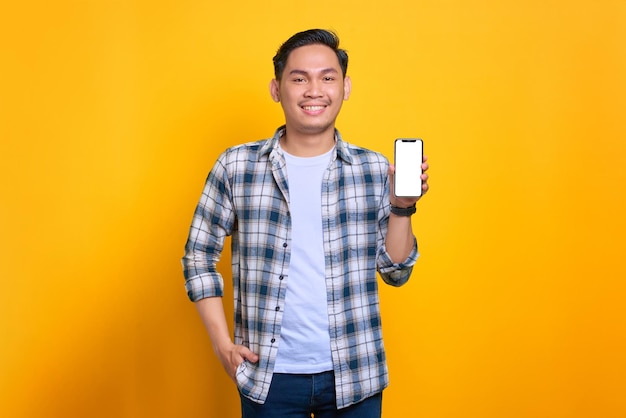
(303, 72)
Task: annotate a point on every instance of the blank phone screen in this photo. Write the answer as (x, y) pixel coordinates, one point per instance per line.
(408, 163)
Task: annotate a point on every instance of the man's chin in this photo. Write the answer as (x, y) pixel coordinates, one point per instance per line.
(317, 129)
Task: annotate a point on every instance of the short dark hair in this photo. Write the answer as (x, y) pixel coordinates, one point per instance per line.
(309, 37)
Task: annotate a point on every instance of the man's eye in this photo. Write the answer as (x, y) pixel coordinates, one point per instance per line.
(298, 80)
(329, 78)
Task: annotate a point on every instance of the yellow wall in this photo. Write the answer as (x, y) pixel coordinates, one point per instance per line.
(112, 112)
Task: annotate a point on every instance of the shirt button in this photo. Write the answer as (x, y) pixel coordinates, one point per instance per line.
(281, 277)
(285, 245)
(278, 308)
(273, 340)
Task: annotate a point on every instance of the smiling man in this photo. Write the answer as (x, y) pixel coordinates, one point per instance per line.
(312, 219)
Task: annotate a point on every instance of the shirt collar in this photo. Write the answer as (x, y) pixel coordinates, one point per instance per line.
(341, 147)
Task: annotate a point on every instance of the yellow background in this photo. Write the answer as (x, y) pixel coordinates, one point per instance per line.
(112, 112)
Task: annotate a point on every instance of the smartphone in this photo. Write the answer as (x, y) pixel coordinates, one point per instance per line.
(408, 154)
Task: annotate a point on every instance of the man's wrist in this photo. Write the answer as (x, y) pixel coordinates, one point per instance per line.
(399, 211)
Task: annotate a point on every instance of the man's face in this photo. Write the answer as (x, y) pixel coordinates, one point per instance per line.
(311, 90)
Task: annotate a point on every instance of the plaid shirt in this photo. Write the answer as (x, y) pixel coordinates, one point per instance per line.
(246, 196)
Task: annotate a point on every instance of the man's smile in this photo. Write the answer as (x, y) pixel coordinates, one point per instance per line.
(313, 108)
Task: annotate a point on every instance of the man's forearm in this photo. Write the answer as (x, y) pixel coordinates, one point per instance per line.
(400, 239)
(211, 312)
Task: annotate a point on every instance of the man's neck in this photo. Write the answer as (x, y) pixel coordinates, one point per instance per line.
(302, 145)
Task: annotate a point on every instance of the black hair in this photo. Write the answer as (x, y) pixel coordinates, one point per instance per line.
(309, 37)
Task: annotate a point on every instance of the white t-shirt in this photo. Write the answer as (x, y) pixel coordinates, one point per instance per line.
(305, 341)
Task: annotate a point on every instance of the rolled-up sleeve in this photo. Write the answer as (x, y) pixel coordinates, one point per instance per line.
(396, 274)
(213, 220)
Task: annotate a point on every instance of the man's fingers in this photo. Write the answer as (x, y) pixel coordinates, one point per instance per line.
(246, 354)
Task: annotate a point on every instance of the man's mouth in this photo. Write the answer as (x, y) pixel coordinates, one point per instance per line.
(313, 108)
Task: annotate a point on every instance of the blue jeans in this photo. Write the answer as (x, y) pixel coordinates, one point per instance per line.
(306, 395)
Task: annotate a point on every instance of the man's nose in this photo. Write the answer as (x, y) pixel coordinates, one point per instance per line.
(314, 88)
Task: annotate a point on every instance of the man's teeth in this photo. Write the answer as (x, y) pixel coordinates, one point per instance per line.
(313, 108)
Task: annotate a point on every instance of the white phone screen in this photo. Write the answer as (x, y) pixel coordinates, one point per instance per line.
(408, 163)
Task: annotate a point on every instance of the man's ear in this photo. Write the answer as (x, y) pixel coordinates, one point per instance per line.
(347, 87)
(274, 90)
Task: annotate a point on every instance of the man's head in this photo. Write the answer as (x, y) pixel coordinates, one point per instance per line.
(309, 37)
(311, 82)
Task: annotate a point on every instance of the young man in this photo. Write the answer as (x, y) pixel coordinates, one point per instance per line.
(312, 218)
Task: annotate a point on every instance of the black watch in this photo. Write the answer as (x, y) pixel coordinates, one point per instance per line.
(403, 211)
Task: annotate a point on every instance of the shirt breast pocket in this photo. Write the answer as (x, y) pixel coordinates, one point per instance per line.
(362, 210)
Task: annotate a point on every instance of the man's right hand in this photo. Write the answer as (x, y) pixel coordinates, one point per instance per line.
(233, 355)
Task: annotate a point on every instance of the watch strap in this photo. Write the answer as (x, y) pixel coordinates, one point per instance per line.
(403, 211)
